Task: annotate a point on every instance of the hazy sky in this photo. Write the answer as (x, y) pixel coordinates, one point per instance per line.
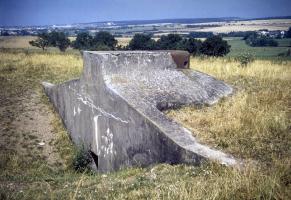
(42, 12)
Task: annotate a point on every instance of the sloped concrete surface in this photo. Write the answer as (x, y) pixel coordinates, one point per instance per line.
(115, 108)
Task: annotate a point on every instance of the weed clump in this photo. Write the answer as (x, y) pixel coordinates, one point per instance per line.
(245, 59)
(82, 159)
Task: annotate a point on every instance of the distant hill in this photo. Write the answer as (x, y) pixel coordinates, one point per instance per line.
(157, 21)
(266, 18)
(168, 21)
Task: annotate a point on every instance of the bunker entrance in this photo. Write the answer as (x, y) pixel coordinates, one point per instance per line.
(95, 158)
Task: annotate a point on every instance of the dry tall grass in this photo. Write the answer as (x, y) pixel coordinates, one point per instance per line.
(255, 122)
(16, 41)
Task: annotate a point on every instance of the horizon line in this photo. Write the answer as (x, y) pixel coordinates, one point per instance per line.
(135, 20)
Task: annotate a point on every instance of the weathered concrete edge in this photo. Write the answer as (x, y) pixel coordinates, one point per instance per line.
(203, 151)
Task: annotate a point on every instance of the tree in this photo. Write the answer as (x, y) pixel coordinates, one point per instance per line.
(142, 42)
(63, 43)
(288, 33)
(215, 46)
(191, 45)
(53, 39)
(41, 42)
(60, 40)
(84, 41)
(103, 39)
(169, 42)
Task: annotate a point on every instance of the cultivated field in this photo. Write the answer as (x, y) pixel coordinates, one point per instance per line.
(123, 41)
(251, 25)
(254, 124)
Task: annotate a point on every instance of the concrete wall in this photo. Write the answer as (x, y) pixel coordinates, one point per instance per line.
(115, 109)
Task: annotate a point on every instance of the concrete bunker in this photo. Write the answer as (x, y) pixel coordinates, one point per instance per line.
(114, 109)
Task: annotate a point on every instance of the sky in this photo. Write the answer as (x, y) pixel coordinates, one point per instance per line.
(49, 12)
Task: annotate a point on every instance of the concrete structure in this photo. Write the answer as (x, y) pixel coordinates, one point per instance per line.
(115, 108)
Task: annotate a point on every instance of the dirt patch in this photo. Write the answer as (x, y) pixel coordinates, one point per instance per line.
(26, 128)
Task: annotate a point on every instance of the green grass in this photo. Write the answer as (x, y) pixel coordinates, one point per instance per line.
(285, 42)
(238, 47)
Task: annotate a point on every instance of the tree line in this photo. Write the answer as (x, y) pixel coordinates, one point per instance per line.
(53, 39)
(212, 46)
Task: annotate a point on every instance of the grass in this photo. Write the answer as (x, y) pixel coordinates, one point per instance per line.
(238, 47)
(253, 124)
(16, 41)
(258, 125)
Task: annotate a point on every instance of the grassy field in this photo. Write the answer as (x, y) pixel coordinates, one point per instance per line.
(238, 47)
(253, 124)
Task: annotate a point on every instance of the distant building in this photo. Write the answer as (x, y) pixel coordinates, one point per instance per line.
(272, 34)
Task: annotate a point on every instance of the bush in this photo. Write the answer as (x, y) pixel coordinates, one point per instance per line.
(82, 159)
(215, 46)
(245, 59)
(142, 42)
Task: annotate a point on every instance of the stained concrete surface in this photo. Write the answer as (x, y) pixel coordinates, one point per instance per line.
(115, 108)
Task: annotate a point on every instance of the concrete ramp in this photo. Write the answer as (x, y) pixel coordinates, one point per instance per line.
(114, 109)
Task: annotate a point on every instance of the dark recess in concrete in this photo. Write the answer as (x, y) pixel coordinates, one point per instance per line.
(114, 109)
